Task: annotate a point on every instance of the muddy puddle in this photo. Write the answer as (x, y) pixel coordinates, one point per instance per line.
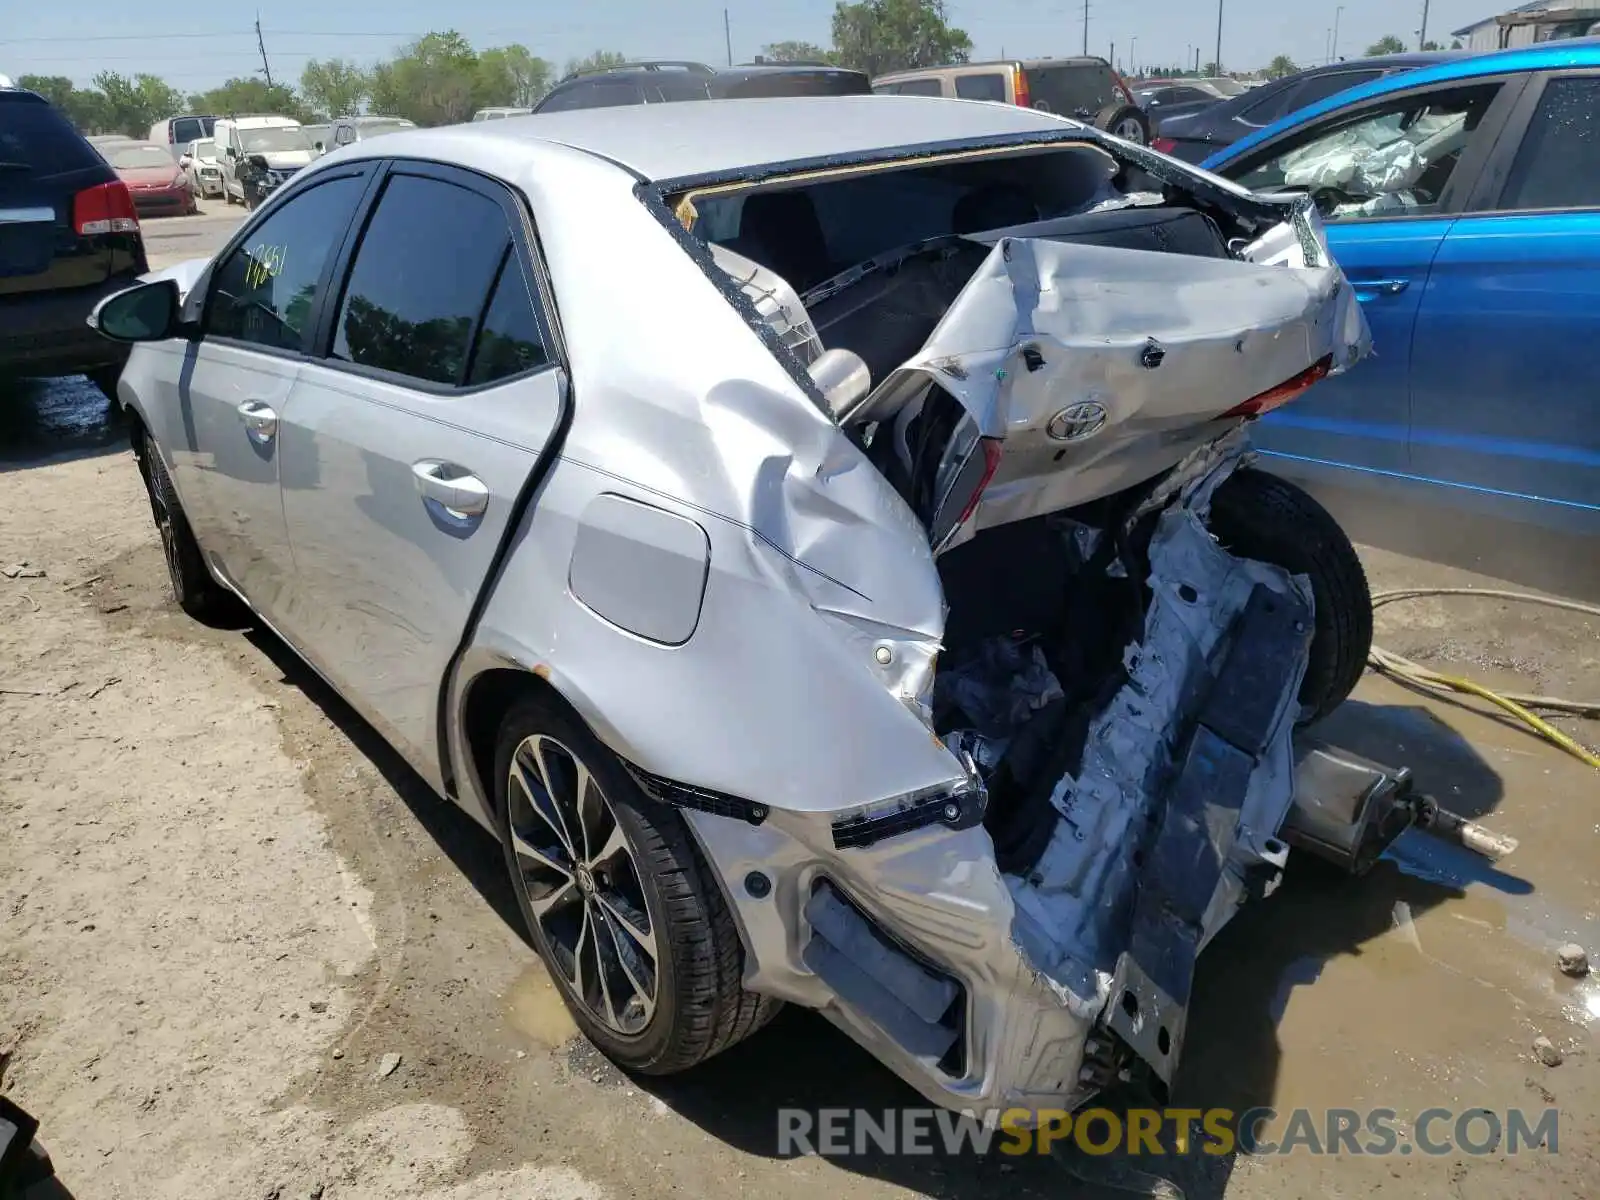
(45, 417)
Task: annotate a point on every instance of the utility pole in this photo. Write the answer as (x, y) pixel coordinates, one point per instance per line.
(1218, 62)
(266, 67)
(1333, 50)
(1422, 34)
(1086, 28)
(727, 35)
(1113, 59)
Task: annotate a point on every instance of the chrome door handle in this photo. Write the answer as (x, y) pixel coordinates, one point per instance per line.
(455, 489)
(260, 421)
(1367, 288)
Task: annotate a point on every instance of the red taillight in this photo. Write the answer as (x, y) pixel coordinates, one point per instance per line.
(104, 208)
(992, 448)
(1019, 85)
(1279, 396)
(1163, 145)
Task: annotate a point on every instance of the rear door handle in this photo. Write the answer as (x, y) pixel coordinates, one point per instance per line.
(1368, 289)
(455, 489)
(260, 421)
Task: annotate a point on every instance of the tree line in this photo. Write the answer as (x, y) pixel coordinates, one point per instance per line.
(441, 79)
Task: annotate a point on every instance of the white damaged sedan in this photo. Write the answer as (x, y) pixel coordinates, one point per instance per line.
(817, 537)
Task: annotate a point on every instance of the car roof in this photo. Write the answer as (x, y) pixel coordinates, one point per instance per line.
(708, 137)
(1444, 67)
(1027, 64)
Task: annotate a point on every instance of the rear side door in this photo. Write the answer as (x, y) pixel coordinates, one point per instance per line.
(235, 384)
(1505, 396)
(409, 440)
(1389, 175)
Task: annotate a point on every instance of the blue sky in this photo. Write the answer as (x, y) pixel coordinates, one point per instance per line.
(86, 36)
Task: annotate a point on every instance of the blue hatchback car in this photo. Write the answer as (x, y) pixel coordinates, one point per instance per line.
(1463, 201)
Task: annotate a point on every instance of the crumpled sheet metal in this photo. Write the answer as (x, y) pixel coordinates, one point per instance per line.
(1228, 330)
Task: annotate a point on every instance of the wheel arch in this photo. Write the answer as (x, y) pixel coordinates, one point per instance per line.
(485, 700)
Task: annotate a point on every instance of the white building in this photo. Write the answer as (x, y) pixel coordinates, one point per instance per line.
(1545, 20)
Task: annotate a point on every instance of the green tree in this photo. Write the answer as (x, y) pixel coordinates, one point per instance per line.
(84, 107)
(432, 81)
(511, 75)
(131, 106)
(334, 88)
(250, 96)
(877, 36)
(1281, 66)
(1431, 45)
(598, 61)
(1386, 45)
(788, 52)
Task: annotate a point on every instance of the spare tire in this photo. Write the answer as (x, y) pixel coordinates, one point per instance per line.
(1124, 121)
(1260, 516)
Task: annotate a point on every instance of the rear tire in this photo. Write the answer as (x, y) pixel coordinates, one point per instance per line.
(196, 592)
(1258, 515)
(642, 909)
(1126, 122)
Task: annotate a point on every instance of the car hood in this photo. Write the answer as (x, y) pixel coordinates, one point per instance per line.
(149, 176)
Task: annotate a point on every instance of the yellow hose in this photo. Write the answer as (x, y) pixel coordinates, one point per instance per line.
(1518, 705)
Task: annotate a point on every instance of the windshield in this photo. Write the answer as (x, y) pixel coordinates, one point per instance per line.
(1226, 87)
(131, 157)
(258, 141)
(205, 148)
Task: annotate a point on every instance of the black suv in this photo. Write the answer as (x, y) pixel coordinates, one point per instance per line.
(663, 82)
(68, 237)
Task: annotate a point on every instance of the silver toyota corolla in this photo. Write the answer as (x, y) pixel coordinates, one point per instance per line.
(816, 536)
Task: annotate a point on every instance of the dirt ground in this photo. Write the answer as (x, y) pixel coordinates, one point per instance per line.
(224, 902)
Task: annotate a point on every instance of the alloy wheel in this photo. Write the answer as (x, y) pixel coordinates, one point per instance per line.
(1129, 130)
(581, 883)
(165, 526)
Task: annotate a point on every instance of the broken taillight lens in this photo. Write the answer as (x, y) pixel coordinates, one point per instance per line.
(1163, 145)
(992, 448)
(1286, 391)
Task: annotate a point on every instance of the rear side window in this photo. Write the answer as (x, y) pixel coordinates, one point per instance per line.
(600, 94)
(36, 138)
(511, 341)
(186, 130)
(989, 86)
(420, 280)
(265, 288)
(911, 87)
(1558, 164)
(1072, 91)
(1319, 88)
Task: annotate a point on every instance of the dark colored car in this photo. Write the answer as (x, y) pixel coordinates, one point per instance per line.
(158, 185)
(69, 236)
(665, 82)
(1170, 99)
(1196, 135)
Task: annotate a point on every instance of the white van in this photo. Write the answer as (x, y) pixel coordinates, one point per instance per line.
(279, 140)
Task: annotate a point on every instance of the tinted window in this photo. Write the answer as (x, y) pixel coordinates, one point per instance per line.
(1320, 87)
(600, 94)
(1270, 106)
(1072, 90)
(186, 129)
(33, 133)
(1558, 164)
(1392, 160)
(420, 278)
(511, 341)
(911, 87)
(989, 86)
(264, 290)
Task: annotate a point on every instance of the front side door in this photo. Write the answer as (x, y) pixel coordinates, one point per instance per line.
(1388, 177)
(410, 438)
(1505, 397)
(236, 382)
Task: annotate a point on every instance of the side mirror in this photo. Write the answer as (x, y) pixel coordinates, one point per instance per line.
(146, 312)
(233, 152)
(186, 161)
(843, 378)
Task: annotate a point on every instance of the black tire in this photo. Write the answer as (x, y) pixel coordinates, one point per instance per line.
(1127, 118)
(196, 592)
(1258, 515)
(700, 1008)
